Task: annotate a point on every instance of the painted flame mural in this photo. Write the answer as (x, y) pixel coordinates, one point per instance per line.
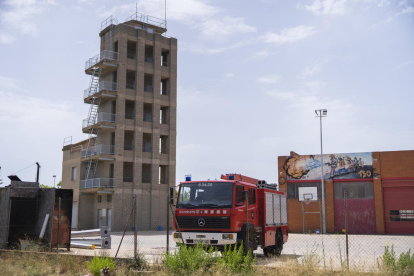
(336, 166)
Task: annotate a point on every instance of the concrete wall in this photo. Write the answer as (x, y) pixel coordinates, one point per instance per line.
(46, 198)
(85, 216)
(4, 216)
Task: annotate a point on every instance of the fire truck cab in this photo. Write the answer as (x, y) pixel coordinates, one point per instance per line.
(214, 213)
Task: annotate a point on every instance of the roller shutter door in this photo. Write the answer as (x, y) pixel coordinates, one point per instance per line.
(398, 206)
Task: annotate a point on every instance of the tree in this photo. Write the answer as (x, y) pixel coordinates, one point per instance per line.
(58, 186)
(45, 186)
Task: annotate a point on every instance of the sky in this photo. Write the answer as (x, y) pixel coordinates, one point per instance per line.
(250, 76)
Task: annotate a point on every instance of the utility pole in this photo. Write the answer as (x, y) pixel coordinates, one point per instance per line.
(38, 171)
(322, 113)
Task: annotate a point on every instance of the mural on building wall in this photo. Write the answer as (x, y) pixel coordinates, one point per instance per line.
(336, 166)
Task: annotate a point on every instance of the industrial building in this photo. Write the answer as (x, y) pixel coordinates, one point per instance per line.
(380, 188)
(130, 153)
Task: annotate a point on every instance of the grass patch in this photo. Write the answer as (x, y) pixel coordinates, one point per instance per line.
(397, 265)
(97, 263)
(188, 260)
(235, 261)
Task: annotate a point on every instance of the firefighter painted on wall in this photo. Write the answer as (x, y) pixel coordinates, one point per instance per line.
(333, 164)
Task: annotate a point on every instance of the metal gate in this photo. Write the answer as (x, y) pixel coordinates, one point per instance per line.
(361, 207)
(398, 206)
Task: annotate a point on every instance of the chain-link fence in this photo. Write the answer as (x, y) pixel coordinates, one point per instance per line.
(359, 226)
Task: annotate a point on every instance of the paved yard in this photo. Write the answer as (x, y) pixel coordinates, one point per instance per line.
(364, 250)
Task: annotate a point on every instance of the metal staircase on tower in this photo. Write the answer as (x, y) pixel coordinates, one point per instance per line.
(94, 106)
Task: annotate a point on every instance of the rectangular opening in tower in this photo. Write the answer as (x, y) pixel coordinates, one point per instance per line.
(129, 109)
(131, 49)
(146, 173)
(147, 112)
(146, 142)
(164, 115)
(163, 144)
(128, 140)
(148, 83)
(149, 53)
(163, 174)
(128, 172)
(164, 57)
(164, 86)
(130, 79)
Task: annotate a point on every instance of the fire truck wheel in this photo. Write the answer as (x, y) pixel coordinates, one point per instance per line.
(279, 243)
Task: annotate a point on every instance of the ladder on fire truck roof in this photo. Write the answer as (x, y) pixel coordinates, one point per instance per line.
(262, 184)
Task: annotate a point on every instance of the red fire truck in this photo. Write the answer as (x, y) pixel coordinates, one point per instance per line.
(214, 213)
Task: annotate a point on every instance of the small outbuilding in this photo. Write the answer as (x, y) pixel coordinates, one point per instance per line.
(29, 213)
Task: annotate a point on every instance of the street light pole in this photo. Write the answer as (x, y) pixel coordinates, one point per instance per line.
(322, 113)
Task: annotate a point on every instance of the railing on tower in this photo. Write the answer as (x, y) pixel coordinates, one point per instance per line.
(96, 183)
(104, 55)
(98, 149)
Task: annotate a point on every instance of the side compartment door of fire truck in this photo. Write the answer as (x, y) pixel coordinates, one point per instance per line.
(276, 214)
(240, 214)
(253, 210)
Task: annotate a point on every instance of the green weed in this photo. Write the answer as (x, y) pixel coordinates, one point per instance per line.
(188, 260)
(402, 265)
(235, 261)
(139, 262)
(98, 263)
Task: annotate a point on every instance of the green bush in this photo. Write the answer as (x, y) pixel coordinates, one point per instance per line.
(235, 261)
(187, 260)
(139, 261)
(402, 265)
(98, 263)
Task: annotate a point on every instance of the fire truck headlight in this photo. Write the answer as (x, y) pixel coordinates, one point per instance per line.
(177, 235)
(227, 236)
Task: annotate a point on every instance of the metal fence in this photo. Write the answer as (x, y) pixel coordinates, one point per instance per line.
(98, 149)
(97, 183)
(103, 85)
(104, 55)
(101, 117)
(144, 224)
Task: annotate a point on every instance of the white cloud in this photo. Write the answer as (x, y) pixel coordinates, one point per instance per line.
(314, 69)
(47, 121)
(403, 64)
(260, 55)
(325, 7)
(269, 79)
(19, 15)
(201, 49)
(221, 28)
(285, 95)
(315, 86)
(211, 23)
(184, 11)
(409, 9)
(289, 35)
(7, 83)
(6, 38)
(229, 75)
(405, 10)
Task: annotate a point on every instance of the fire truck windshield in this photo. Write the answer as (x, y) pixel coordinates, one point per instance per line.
(205, 195)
